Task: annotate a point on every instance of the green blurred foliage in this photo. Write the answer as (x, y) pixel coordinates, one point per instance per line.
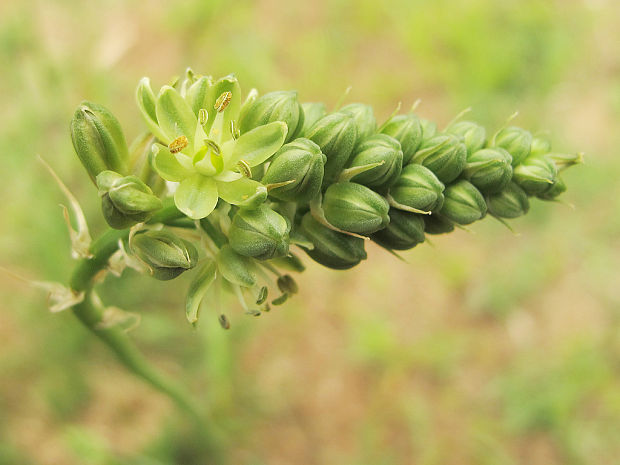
(485, 348)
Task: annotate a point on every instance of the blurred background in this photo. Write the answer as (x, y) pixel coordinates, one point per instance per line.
(485, 348)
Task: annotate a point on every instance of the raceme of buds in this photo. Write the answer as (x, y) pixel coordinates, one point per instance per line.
(463, 203)
(405, 231)
(535, 175)
(444, 154)
(336, 135)
(264, 173)
(331, 248)
(355, 208)
(301, 162)
(418, 189)
(511, 202)
(517, 141)
(98, 140)
(125, 200)
(385, 152)
(275, 106)
(364, 119)
(407, 130)
(165, 255)
(474, 135)
(260, 233)
(490, 170)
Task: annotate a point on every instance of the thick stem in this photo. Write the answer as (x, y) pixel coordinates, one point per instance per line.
(82, 280)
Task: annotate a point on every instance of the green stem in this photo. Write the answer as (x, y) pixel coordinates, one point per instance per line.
(82, 280)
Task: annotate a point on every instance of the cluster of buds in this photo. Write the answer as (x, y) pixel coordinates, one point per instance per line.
(254, 177)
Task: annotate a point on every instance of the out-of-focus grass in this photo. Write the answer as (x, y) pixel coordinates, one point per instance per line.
(485, 348)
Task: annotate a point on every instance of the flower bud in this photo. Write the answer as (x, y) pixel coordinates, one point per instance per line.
(418, 188)
(444, 154)
(98, 140)
(260, 233)
(564, 160)
(405, 231)
(336, 135)
(332, 249)
(429, 129)
(378, 148)
(407, 130)
(312, 113)
(275, 106)
(558, 187)
(489, 169)
(166, 255)
(364, 119)
(125, 200)
(535, 175)
(540, 145)
(474, 135)
(517, 141)
(511, 202)
(355, 208)
(437, 224)
(236, 268)
(300, 161)
(464, 204)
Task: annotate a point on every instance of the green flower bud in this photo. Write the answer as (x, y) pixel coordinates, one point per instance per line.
(405, 231)
(312, 113)
(166, 255)
(332, 249)
(517, 141)
(378, 148)
(125, 200)
(541, 145)
(536, 174)
(564, 160)
(364, 119)
(355, 208)
(260, 233)
(474, 135)
(275, 106)
(511, 202)
(98, 140)
(444, 154)
(418, 188)
(437, 224)
(464, 203)
(236, 268)
(429, 129)
(558, 187)
(336, 135)
(490, 170)
(407, 130)
(301, 161)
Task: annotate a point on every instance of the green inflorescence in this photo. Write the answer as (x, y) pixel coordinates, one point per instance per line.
(254, 177)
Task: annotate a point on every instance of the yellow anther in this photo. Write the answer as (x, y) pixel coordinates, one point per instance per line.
(178, 144)
(222, 101)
